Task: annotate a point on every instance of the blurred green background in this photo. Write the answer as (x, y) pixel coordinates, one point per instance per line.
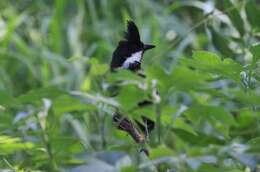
(55, 97)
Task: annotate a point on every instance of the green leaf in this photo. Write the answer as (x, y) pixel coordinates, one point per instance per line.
(211, 63)
(98, 68)
(221, 43)
(246, 118)
(210, 112)
(216, 116)
(128, 169)
(255, 50)
(253, 14)
(129, 96)
(147, 111)
(124, 75)
(66, 103)
(160, 151)
(254, 144)
(206, 59)
(234, 16)
(38, 94)
(6, 99)
(200, 139)
(56, 23)
(179, 123)
(184, 78)
(10, 145)
(250, 97)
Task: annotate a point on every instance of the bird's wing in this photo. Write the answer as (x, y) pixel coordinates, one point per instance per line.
(119, 55)
(132, 34)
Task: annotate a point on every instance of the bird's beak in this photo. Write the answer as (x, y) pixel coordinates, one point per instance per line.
(147, 47)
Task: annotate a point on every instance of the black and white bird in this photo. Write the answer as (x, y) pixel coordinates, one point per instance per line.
(128, 55)
(130, 51)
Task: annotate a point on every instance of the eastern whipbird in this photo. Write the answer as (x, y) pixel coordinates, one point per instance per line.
(128, 55)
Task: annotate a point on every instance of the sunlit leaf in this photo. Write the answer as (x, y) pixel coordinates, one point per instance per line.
(10, 144)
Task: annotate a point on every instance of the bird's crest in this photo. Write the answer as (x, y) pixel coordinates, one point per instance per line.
(132, 34)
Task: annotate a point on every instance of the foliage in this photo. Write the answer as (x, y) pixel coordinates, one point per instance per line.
(57, 95)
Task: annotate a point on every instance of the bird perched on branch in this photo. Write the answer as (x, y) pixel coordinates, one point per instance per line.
(128, 55)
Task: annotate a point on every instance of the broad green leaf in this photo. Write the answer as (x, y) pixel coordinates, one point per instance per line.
(162, 77)
(94, 99)
(184, 79)
(160, 151)
(10, 145)
(253, 14)
(200, 139)
(129, 96)
(179, 123)
(246, 118)
(148, 111)
(196, 112)
(255, 50)
(66, 103)
(212, 64)
(124, 75)
(65, 146)
(37, 94)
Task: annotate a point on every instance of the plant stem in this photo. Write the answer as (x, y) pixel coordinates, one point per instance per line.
(102, 129)
(47, 144)
(158, 122)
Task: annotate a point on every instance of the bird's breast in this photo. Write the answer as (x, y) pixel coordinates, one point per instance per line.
(135, 57)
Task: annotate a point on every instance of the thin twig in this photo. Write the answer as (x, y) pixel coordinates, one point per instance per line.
(158, 121)
(47, 144)
(102, 117)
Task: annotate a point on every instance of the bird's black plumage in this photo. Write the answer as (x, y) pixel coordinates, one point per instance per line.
(132, 34)
(127, 47)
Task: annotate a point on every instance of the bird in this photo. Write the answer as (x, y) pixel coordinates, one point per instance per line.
(129, 52)
(128, 55)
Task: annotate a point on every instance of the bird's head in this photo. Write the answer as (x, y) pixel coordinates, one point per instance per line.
(133, 39)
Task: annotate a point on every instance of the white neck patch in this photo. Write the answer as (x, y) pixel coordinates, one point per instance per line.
(134, 57)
